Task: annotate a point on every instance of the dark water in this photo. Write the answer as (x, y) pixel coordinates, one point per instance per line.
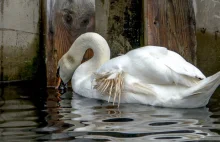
(28, 114)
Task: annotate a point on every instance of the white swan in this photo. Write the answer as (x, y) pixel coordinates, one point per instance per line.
(149, 75)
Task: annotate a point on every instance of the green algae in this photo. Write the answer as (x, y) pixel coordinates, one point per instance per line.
(208, 54)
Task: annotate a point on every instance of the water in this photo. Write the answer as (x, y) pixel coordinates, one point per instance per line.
(28, 114)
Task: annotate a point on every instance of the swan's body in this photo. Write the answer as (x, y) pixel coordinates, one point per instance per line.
(149, 75)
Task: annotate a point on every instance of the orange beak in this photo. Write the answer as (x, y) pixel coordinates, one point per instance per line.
(58, 83)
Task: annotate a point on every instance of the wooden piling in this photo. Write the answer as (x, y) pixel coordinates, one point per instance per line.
(171, 24)
(64, 26)
(120, 23)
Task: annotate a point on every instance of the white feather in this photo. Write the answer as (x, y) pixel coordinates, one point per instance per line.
(150, 75)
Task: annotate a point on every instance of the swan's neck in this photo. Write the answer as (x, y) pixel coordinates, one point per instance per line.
(97, 43)
(100, 49)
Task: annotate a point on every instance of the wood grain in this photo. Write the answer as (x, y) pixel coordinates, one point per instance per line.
(62, 34)
(171, 23)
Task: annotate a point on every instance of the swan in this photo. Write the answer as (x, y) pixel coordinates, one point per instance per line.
(150, 75)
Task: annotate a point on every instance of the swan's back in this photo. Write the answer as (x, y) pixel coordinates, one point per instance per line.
(154, 64)
(168, 58)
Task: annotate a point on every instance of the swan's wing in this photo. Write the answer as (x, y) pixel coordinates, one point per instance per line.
(109, 83)
(162, 66)
(178, 64)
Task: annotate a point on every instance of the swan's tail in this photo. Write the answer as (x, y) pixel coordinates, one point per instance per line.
(205, 88)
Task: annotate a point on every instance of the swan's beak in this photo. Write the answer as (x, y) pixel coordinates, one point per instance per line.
(60, 84)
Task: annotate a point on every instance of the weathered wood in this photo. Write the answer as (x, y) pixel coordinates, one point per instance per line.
(171, 23)
(67, 20)
(120, 23)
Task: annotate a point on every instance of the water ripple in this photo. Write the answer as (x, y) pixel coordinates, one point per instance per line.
(83, 119)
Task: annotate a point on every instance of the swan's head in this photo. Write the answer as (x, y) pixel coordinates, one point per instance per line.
(66, 67)
(73, 58)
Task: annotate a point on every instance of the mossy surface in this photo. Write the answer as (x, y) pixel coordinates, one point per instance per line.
(208, 54)
(124, 26)
(21, 63)
(22, 51)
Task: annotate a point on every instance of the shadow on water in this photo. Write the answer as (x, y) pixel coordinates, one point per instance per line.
(38, 115)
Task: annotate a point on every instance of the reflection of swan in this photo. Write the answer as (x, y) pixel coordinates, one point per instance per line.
(146, 119)
(150, 75)
(97, 110)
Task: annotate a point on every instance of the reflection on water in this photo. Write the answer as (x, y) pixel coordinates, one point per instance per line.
(19, 116)
(25, 115)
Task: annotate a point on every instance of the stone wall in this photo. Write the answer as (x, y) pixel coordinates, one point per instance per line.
(19, 39)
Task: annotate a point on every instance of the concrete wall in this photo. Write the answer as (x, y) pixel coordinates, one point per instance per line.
(19, 39)
(208, 35)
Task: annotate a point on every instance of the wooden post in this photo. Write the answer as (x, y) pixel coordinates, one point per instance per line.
(171, 23)
(67, 21)
(120, 23)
